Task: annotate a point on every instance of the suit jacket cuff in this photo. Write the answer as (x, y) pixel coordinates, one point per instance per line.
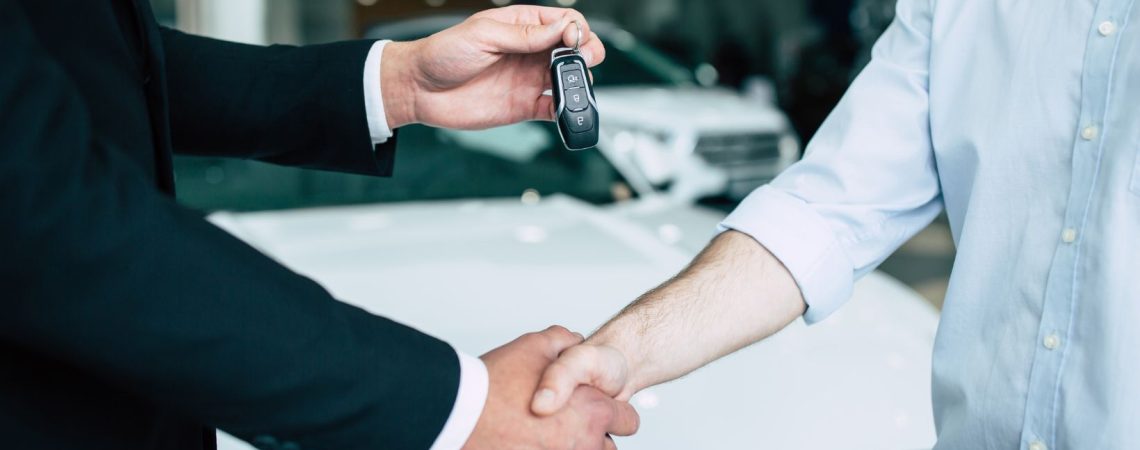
(473, 385)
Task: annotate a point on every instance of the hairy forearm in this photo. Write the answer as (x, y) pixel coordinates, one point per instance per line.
(735, 293)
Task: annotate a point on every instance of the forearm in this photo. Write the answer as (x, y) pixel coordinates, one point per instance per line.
(735, 293)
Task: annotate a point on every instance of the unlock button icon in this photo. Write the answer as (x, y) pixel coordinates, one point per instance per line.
(576, 99)
(580, 122)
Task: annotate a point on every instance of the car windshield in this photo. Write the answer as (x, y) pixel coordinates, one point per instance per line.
(431, 164)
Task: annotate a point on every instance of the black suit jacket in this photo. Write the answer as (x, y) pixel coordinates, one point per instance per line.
(127, 322)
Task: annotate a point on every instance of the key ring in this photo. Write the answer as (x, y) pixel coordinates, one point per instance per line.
(578, 42)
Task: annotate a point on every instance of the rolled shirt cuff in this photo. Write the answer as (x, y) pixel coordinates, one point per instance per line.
(473, 386)
(803, 241)
(373, 95)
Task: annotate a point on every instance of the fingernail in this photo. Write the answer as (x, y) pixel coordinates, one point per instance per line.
(544, 398)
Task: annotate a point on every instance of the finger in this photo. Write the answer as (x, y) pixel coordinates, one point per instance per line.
(558, 383)
(558, 18)
(625, 421)
(502, 37)
(579, 365)
(527, 14)
(544, 110)
(559, 339)
(570, 36)
(593, 51)
(608, 443)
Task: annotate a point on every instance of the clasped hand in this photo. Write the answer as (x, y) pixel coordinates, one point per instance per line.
(583, 421)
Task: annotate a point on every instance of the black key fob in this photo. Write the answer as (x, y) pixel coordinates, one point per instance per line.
(575, 110)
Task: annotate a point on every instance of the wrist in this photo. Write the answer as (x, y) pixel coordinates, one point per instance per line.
(611, 340)
(398, 83)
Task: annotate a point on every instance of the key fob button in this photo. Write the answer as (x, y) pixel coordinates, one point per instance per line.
(579, 122)
(576, 99)
(572, 79)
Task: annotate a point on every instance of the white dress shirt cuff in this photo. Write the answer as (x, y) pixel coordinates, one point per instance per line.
(473, 385)
(803, 241)
(373, 97)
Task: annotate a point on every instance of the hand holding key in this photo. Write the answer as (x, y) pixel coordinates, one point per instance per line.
(575, 110)
(488, 71)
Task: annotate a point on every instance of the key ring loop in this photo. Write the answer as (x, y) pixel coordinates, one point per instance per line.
(578, 42)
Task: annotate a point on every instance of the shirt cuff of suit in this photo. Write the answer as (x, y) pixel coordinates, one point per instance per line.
(473, 385)
(803, 241)
(373, 96)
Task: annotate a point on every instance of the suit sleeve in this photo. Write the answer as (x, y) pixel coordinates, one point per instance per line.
(104, 273)
(296, 106)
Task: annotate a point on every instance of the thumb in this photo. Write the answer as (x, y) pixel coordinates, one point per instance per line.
(603, 368)
(504, 37)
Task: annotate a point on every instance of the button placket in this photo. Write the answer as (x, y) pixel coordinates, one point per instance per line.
(1039, 428)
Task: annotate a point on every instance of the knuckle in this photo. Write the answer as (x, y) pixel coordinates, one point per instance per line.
(558, 329)
(533, 338)
(561, 333)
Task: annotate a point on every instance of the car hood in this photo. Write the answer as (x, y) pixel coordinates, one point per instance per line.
(687, 107)
(557, 261)
(480, 273)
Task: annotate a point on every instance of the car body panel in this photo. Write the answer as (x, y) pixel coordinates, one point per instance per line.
(708, 109)
(478, 273)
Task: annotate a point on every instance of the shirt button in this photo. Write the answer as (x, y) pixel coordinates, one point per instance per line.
(1037, 445)
(1069, 235)
(1052, 341)
(1106, 28)
(1089, 133)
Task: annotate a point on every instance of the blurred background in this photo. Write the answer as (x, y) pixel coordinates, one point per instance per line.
(701, 100)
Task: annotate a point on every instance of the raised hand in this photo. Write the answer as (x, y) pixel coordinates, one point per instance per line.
(507, 422)
(488, 71)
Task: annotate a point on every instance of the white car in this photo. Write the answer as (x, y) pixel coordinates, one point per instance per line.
(480, 272)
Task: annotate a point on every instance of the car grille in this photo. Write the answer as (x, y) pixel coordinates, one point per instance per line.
(739, 149)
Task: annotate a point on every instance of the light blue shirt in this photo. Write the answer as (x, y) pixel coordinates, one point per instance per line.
(1020, 118)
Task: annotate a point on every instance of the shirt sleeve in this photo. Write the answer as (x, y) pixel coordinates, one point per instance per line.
(473, 386)
(868, 180)
(373, 95)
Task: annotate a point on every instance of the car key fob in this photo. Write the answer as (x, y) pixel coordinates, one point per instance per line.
(575, 109)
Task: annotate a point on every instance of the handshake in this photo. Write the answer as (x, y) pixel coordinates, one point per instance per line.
(581, 398)
(556, 390)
